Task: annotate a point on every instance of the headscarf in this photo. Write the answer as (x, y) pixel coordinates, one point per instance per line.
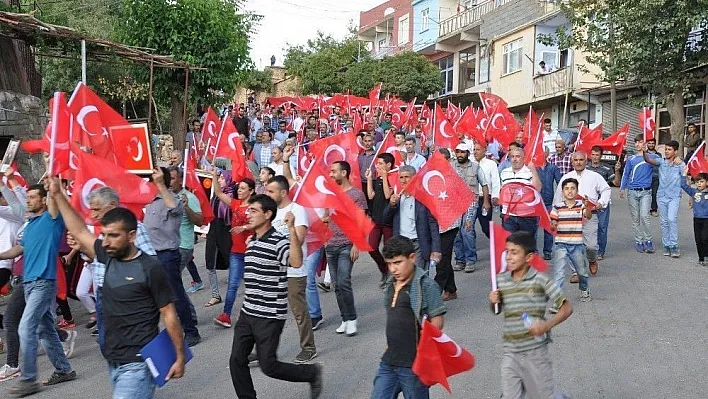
(221, 210)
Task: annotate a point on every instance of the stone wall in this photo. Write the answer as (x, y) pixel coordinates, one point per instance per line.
(23, 117)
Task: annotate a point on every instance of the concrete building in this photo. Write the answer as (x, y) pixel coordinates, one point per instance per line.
(387, 29)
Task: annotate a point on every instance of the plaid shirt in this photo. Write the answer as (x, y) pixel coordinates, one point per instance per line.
(274, 123)
(564, 162)
(142, 242)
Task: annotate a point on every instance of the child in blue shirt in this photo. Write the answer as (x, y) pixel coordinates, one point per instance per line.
(699, 195)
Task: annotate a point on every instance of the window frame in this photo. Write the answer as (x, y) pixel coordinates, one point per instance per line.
(507, 51)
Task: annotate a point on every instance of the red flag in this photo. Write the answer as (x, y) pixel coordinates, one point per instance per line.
(394, 181)
(588, 138)
(498, 122)
(319, 191)
(468, 125)
(452, 112)
(375, 94)
(345, 145)
(616, 141)
(131, 147)
(535, 151)
(317, 228)
(229, 145)
(698, 162)
(497, 248)
(389, 145)
(398, 117)
(210, 132)
(20, 180)
(444, 135)
(524, 200)
(304, 161)
(410, 117)
(59, 127)
(647, 123)
(439, 357)
(448, 197)
(133, 191)
(490, 102)
(195, 186)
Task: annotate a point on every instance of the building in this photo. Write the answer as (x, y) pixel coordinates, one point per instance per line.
(283, 85)
(387, 29)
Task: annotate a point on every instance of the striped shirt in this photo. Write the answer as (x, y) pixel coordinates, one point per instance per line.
(570, 222)
(508, 175)
(531, 295)
(265, 276)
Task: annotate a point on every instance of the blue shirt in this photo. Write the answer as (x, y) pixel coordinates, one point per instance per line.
(670, 178)
(41, 246)
(548, 175)
(637, 173)
(700, 200)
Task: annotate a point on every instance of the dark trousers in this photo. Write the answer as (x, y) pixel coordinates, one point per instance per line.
(654, 189)
(170, 260)
(265, 335)
(11, 320)
(484, 220)
(377, 233)
(548, 238)
(445, 276)
(519, 223)
(700, 231)
(63, 305)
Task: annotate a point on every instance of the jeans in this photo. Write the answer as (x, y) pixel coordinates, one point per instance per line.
(131, 381)
(235, 276)
(484, 220)
(38, 323)
(466, 241)
(311, 294)
(547, 238)
(265, 335)
(639, 203)
(390, 380)
(603, 223)
(590, 238)
(187, 262)
(13, 315)
(445, 276)
(340, 267)
(170, 260)
(520, 223)
(563, 254)
(379, 231)
(668, 220)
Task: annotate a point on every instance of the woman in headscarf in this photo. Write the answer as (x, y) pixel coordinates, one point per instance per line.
(218, 244)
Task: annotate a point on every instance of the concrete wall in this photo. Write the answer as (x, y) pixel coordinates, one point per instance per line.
(23, 117)
(513, 14)
(517, 87)
(422, 39)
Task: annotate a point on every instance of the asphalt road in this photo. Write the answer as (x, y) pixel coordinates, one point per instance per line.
(640, 337)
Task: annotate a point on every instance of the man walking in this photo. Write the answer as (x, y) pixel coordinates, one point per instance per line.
(636, 181)
(379, 192)
(519, 173)
(487, 168)
(603, 215)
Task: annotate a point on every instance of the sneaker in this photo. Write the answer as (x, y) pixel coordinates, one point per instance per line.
(24, 388)
(192, 340)
(92, 322)
(585, 296)
(69, 344)
(66, 324)
(599, 257)
(305, 356)
(317, 323)
(648, 247)
(667, 251)
(94, 332)
(223, 320)
(8, 372)
(548, 256)
(593, 268)
(253, 359)
(194, 287)
(675, 253)
(469, 267)
(640, 247)
(458, 267)
(351, 328)
(574, 278)
(58, 378)
(324, 287)
(316, 385)
(342, 328)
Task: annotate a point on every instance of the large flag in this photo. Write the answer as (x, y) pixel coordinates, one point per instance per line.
(616, 141)
(647, 123)
(524, 200)
(132, 148)
(317, 190)
(59, 134)
(438, 186)
(439, 357)
(468, 125)
(210, 132)
(535, 151)
(497, 121)
(698, 162)
(444, 135)
(588, 138)
(342, 147)
(94, 172)
(194, 185)
(452, 112)
(490, 102)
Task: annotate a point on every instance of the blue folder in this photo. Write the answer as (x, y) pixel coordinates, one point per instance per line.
(159, 355)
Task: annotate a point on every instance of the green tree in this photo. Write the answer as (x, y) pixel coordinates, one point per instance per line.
(211, 34)
(408, 75)
(259, 81)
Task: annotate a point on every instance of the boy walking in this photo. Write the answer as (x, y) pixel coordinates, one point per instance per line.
(699, 195)
(526, 366)
(567, 219)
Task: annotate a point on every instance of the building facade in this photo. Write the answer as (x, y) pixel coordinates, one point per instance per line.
(387, 29)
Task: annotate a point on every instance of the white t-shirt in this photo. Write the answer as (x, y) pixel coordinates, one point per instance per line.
(277, 168)
(282, 228)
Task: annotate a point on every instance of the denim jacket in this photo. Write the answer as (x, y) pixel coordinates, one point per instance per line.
(426, 298)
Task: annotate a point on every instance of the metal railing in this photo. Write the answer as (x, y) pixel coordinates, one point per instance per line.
(467, 18)
(550, 84)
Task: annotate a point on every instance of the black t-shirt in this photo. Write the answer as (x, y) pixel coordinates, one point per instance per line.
(133, 293)
(241, 125)
(378, 204)
(401, 330)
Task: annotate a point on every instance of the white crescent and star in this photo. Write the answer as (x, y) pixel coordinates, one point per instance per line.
(88, 187)
(211, 126)
(231, 138)
(441, 128)
(139, 146)
(536, 199)
(320, 186)
(334, 147)
(426, 181)
(443, 338)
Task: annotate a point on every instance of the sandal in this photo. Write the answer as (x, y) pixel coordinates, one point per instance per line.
(213, 301)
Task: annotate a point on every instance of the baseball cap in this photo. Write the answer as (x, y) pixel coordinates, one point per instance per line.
(462, 147)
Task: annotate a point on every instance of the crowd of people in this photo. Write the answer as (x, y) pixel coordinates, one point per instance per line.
(130, 270)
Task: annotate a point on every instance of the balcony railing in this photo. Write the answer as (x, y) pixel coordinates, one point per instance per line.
(384, 51)
(467, 18)
(550, 84)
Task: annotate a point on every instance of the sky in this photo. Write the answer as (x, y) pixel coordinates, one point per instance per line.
(294, 21)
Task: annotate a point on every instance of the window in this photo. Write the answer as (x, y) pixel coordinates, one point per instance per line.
(446, 66)
(549, 57)
(403, 30)
(468, 61)
(424, 19)
(563, 59)
(483, 64)
(513, 51)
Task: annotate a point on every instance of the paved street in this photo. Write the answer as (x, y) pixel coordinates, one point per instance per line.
(640, 337)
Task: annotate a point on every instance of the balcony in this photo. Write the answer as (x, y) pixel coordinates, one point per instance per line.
(383, 52)
(467, 18)
(552, 84)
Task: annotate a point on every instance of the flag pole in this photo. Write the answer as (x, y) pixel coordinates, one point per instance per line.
(218, 140)
(53, 136)
(493, 263)
(302, 182)
(184, 170)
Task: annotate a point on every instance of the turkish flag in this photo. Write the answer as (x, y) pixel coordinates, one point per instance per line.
(131, 146)
(411, 116)
(616, 142)
(698, 162)
(647, 123)
(389, 145)
(439, 357)
(304, 161)
(398, 117)
(342, 147)
(498, 123)
(93, 119)
(535, 151)
(20, 180)
(59, 133)
(195, 186)
(229, 145)
(438, 186)
(210, 132)
(444, 134)
(375, 93)
(588, 138)
(497, 248)
(317, 228)
(452, 112)
(394, 181)
(94, 172)
(490, 102)
(317, 190)
(524, 200)
(468, 125)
